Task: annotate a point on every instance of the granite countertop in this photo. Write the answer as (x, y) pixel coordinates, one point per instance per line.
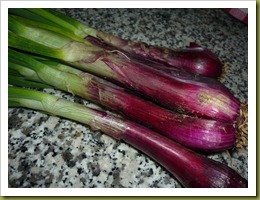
(48, 151)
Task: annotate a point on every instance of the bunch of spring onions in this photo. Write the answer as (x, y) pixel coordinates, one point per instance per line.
(202, 134)
(195, 111)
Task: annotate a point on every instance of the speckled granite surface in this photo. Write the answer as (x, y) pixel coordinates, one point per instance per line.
(47, 151)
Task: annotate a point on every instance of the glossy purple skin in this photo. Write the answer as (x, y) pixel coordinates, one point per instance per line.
(195, 133)
(200, 96)
(191, 169)
(195, 60)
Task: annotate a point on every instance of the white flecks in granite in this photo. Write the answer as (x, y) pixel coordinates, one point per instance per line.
(47, 151)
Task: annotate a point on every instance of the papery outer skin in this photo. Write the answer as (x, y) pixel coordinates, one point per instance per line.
(193, 60)
(198, 98)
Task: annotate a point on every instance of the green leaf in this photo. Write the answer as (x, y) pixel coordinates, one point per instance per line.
(25, 44)
(22, 82)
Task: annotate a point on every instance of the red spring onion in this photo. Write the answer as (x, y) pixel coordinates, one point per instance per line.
(189, 168)
(194, 60)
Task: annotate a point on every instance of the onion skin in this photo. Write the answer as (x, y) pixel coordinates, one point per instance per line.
(195, 60)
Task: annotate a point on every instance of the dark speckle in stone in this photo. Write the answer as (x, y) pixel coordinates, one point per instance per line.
(23, 166)
(121, 151)
(37, 150)
(61, 136)
(47, 132)
(95, 168)
(167, 180)
(138, 154)
(54, 154)
(97, 135)
(46, 141)
(42, 119)
(67, 157)
(155, 184)
(35, 177)
(71, 163)
(78, 134)
(140, 181)
(81, 156)
(150, 172)
(97, 139)
(116, 181)
(17, 183)
(69, 142)
(65, 180)
(83, 180)
(78, 100)
(60, 175)
(23, 149)
(48, 180)
(50, 149)
(27, 130)
(14, 122)
(79, 170)
(116, 144)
